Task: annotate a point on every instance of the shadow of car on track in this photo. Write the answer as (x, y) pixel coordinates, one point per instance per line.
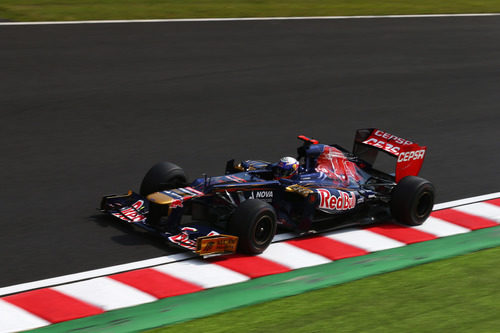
(130, 236)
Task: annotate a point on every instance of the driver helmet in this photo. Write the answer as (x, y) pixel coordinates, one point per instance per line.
(287, 167)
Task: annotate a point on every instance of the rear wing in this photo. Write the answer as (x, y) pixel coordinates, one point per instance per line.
(410, 156)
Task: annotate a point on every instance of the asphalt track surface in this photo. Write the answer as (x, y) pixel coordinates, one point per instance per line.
(87, 109)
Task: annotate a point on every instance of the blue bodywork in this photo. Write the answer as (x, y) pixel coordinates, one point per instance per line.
(333, 188)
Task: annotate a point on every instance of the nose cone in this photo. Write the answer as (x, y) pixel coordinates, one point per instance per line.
(160, 198)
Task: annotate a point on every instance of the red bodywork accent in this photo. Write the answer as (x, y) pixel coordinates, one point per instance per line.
(306, 139)
(410, 160)
(336, 166)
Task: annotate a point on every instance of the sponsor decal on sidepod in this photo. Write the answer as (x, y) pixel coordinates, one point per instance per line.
(263, 194)
(332, 202)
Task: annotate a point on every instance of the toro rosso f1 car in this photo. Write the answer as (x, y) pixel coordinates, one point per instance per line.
(325, 187)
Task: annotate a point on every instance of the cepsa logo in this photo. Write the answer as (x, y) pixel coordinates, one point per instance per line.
(411, 155)
(389, 137)
(343, 202)
(381, 139)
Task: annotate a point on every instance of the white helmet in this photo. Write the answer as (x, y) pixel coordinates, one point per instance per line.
(287, 167)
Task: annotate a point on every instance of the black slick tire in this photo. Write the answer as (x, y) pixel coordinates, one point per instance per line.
(254, 222)
(162, 176)
(412, 200)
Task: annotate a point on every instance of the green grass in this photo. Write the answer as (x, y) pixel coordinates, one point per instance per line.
(59, 10)
(455, 295)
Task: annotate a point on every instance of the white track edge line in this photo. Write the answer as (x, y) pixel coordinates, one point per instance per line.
(96, 273)
(467, 201)
(251, 19)
(177, 257)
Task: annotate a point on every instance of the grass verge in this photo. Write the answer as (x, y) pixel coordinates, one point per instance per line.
(64, 10)
(454, 295)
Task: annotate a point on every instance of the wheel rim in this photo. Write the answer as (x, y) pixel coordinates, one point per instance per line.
(424, 205)
(262, 231)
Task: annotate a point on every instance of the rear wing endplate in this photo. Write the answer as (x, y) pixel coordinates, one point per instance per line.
(410, 156)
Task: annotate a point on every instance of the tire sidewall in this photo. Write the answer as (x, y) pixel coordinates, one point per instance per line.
(412, 200)
(419, 215)
(162, 176)
(264, 216)
(245, 221)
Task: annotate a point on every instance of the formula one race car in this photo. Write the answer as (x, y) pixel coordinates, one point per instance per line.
(325, 186)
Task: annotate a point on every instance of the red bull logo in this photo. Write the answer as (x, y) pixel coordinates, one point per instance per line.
(132, 214)
(345, 200)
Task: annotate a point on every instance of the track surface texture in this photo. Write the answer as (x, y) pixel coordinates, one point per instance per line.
(87, 109)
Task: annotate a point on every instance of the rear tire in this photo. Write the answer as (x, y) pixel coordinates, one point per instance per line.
(412, 200)
(162, 176)
(254, 222)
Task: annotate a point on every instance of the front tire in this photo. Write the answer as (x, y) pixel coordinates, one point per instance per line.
(162, 176)
(412, 200)
(254, 222)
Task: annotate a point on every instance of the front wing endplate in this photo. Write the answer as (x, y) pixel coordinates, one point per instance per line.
(217, 244)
